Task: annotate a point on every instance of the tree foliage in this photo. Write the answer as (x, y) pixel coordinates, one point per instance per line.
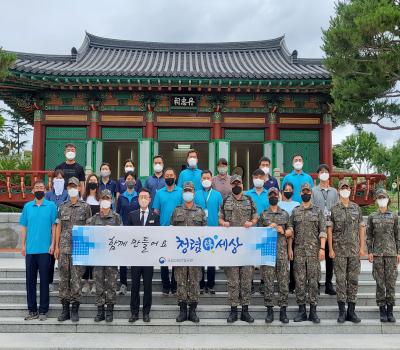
(13, 132)
(6, 61)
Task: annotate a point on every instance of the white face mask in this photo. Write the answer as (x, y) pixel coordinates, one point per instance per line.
(206, 183)
(222, 170)
(324, 176)
(105, 173)
(265, 169)
(58, 185)
(158, 168)
(192, 162)
(188, 196)
(298, 165)
(105, 204)
(73, 192)
(258, 183)
(70, 155)
(345, 193)
(382, 202)
(129, 168)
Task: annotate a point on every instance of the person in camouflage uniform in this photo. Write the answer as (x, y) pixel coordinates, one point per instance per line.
(276, 217)
(238, 210)
(346, 237)
(383, 242)
(308, 227)
(70, 213)
(105, 277)
(188, 277)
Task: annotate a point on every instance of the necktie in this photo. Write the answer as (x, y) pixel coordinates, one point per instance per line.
(142, 218)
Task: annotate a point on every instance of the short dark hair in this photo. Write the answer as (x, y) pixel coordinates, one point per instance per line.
(130, 173)
(264, 159)
(206, 172)
(258, 172)
(129, 160)
(323, 166)
(158, 156)
(69, 145)
(169, 168)
(288, 184)
(297, 155)
(39, 182)
(58, 172)
(222, 161)
(144, 189)
(192, 151)
(106, 164)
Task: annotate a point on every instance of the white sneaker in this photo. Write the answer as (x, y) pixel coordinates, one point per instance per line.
(122, 289)
(86, 288)
(93, 291)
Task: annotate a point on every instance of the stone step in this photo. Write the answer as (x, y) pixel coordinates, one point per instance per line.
(19, 283)
(203, 311)
(19, 297)
(206, 326)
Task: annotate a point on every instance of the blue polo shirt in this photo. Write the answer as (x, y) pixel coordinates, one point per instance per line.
(121, 186)
(110, 185)
(261, 200)
(193, 175)
(58, 200)
(210, 200)
(153, 184)
(165, 202)
(127, 202)
(297, 180)
(38, 220)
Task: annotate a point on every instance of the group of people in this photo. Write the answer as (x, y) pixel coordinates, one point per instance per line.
(314, 223)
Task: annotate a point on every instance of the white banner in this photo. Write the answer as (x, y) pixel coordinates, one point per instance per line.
(173, 246)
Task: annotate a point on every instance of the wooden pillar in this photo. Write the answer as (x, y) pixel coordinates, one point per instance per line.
(326, 140)
(216, 131)
(94, 130)
(149, 117)
(38, 141)
(273, 134)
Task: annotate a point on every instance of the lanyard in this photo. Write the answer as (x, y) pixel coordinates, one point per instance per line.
(208, 197)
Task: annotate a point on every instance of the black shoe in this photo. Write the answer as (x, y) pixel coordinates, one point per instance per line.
(75, 311)
(390, 316)
(252, 289)
(233, 315)
(146, 318)
(182, 313)
(351, 314)
(383, 314)
(313, 314)
(173, 291)
(211, 291)
(100, 314)
(192, 313)
(329, 289)
(270, 315)
(282, 315)
(342, 312)
(65, 314)
(110, 313)
(202, 291)
(133, 318)
(165, 292)
(245, 316)
(301, 314)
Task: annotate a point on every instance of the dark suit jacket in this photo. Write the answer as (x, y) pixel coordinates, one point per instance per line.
(134, 218)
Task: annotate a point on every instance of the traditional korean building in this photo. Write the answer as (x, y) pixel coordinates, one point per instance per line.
(117, 99)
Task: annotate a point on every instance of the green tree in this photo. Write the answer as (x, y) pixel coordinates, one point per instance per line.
(6, 61)
(362, 47)
(14, 131)
(387, 160)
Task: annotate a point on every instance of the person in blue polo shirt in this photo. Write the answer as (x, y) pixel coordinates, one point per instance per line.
(38, 225)
(126, 203)
(265, 165)
(106, 183)
(210, 200)
(167, 199)
(156, 181)
(191, 173)
(297, 177)
(258, 193)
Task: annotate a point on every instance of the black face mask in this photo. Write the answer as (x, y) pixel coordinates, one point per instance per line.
(92, 185)
(273, 200)
(39, 195)
(306, 197)
(288, 194)
(170, 181)
(236, 190)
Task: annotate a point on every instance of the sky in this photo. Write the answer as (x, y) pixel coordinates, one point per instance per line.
(54, 27)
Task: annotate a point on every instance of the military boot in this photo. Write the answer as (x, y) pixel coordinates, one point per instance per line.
(301, 314)
(192, 313)
(351, 314)
(270, 315)
(182, 313)
(382, 313)
(282, 315)
(342, 312)
(110, 313)
(65, 314)
(233, 315)
(100, 314)
(390, 316)
(245, 316)
(313, 314)
(75, 311)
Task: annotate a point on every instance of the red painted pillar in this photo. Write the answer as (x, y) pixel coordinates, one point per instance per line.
(273, 134)
(216, 131)
(94, 129)
(149, 128)
(38, 141)
(326, 141)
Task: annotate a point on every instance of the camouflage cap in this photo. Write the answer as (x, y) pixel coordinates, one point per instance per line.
(235, 177)
(188, 185)
(73, 180)
(273, 190)
(106, 194)
(343, 183)
(381, 192)
(306, 186)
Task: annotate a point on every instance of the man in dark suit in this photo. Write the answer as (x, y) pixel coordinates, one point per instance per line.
(142, 217)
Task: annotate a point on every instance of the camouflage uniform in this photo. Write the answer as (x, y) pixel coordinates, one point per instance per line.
(346, 222)
(237, 212)
(70, 275)
(308, 226)
(105, 277)
(281, 270)
(383, 241)
(188, 277)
